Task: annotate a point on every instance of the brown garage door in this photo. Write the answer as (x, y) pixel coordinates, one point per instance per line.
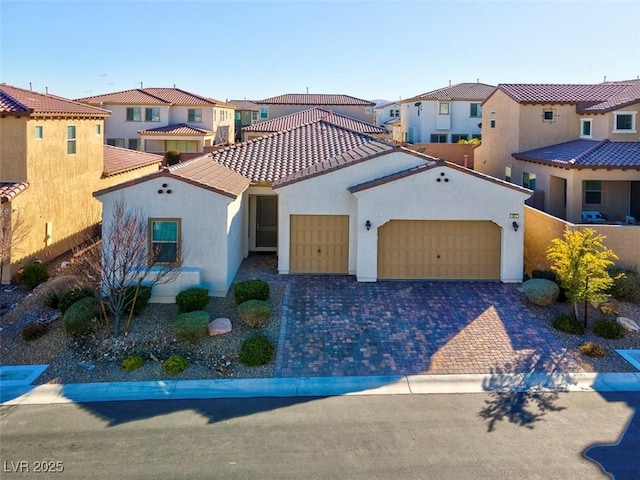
(413, 249)
(319, 244)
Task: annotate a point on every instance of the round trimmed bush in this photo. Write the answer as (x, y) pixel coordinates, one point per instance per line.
(256, 351)
(251, 290)
(132, 363)
(80, 318)
(72, 296)
(255, 313)
(192, 299)
(541, 291)
(191, 326)
(592, 349)
(175, 364)
(568, 324)
(607, 328)
(34, 274)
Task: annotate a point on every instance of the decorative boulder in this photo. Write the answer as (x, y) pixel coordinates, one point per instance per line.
(541, 291)
(219, 326)
(628, 324)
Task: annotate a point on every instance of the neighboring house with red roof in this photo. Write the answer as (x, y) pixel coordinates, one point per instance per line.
(158, 120)
(52, 159)
(577, 146)
(246, 115)
(288, 103)
(445, 115)
(329, 199)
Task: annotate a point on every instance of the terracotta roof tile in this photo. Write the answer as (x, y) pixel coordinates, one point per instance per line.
(18, 101)
(178, 129)
(151, 96)
(245, 105)
(315, 99)
(313, 115)
(461, 91)
(119, 160)
(10, 190)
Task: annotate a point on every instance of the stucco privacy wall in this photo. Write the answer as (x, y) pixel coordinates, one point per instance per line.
(208, 222)
(421, 197)
(541, 228)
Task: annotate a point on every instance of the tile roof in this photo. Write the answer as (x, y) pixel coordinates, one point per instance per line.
(586, 154)
(313, 115)
(178, 129)
(315, 99)
(18, 101)
(151, 96)
(274, 156)
(119, 160)
(461, 91)
(245, 105)
(10, 190)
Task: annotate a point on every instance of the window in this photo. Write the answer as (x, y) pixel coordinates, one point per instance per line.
(624, 122)
(264, 113)
(134, 144)
(238, 116)
(71, 140)
(116, 142)
(438, 138)
(195, 115)
(134, 114)
(38, 131)
(529, 180)
(254, 116)
(475, 110)
(585, 127)
(182, 146)
(476, 135)
(593, 192)
(98, 129)
(456, 137)
(507, 173)
(152, 114)
(493, 119)
(394, 113)
(444, 108)
(547, 115)
(164, 238)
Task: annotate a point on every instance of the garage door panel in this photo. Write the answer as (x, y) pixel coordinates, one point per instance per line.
(319, 244)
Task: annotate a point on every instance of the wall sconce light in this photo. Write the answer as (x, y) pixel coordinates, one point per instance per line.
(368, 225)
(515, 226)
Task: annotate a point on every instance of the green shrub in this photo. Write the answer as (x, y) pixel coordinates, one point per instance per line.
(80, 318)
(72, 296)
(191, 299)
(34, 331)
(255, 313)
(52, 300)
(592, 349)
(626, 285)
(144, 295)
(568, 324)
(191, 326)
(251, 290)
(172, 157)
(607, 328)
(541, 291)
(132, 363)
(175, 364)
(256, 351)
(34, 274)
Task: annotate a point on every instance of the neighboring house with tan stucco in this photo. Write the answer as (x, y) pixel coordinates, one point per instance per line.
(288, 103)
(52, 159)
(158, 120)
(576, 146)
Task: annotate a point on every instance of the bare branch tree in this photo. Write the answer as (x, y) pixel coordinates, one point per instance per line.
(13, 232)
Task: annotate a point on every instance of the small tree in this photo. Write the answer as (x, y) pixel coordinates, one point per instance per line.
(580, 260)
(13, 231)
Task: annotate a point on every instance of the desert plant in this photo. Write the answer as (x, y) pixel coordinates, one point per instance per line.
(34, 331)
(192, 299)
(256, 351)
(592, 349)
(191, 326)
(175, 364)
(52, 300)
(172, 157)
(626, 285)
(254, 313)
(251, 290)
(34, 274)
(72, 296)
(80, 318)
(568, 324)
(132, 363)
(607, 328)
(541, 291)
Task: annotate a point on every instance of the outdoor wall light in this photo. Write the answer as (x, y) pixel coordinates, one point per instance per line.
(368, 225)
(515, 226)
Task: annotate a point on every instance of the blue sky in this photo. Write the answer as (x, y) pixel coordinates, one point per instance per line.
(368, 49)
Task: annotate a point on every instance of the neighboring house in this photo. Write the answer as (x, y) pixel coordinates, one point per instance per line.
(395, 126)
(446, 115)
(346, 105)
(332, 200)
(52, 159)
(246, 115)
(312, 115)
(385, 112)
(577, 146)
(158, 120)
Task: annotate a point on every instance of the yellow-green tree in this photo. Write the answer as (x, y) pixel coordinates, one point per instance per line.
(580, 260)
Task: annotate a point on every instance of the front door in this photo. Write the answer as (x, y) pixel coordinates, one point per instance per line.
(267, 221)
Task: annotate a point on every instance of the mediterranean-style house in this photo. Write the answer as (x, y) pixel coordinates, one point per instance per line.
(245, 116)
(446, 115)
(384, 112)
(346, 105)
(159, 120)
(328, 199)
(52, 159)
(576, 146)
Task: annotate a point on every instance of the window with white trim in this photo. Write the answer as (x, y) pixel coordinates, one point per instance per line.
(264, 113)
(98, 129)
(438, 138)
(475, 110)
(116, 142)
(456, 137)
(152, 114)
(134, 114)
(194, 115)
(507, 173)
(71, 139)
(593, 192)
(624, 122)
(134, 144)
(164, 240)
(443, 108)
(585, 127)
(493, 120)
(38, 132)
(547, 116)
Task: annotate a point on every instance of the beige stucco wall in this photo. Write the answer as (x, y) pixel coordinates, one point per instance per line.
(13, 149)
(451, 152)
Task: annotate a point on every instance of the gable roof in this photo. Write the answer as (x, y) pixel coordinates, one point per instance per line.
(152, 96)
(315, 99)
(10, 190)
(18, 101)
(313, 115)
(119, 160)
(178, 129)
(586, 154)
(245, 105)
(467, 91)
